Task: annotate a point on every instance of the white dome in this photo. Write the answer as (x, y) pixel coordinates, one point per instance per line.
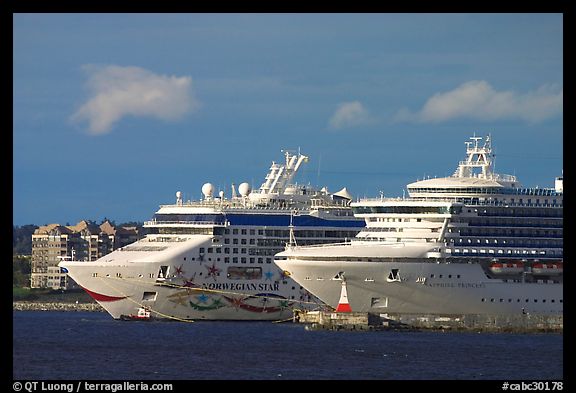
(178, 194)
(244, 189)
(207, 189)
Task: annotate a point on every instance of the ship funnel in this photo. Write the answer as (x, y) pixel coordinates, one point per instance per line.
(559, 184)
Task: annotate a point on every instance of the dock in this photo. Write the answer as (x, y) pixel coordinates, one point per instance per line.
(356, 321)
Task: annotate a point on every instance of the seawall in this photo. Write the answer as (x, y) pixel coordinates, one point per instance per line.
(56, 306)
(481, 323)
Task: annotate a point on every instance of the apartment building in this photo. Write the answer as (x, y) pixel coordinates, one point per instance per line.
(85, 241)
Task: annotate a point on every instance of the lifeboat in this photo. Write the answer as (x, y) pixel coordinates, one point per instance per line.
(550, 268)
(513, 267)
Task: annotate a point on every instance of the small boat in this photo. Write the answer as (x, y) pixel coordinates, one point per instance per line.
(550, 268)
(142, 315)
(512, 267)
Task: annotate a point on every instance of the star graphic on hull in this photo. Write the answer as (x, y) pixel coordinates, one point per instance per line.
(202, 298)
(189, 283)
(179, 271)
(236, 302)
(213, 271)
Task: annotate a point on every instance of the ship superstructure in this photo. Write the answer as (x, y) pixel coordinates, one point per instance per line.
(476, 242)
(213, 258)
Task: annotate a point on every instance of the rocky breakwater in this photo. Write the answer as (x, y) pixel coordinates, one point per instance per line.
(55, 306)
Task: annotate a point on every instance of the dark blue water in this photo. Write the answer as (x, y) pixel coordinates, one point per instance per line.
(82, 346)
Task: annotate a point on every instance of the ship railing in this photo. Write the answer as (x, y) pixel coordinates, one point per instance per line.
(202, 223)
(320, 245)
(468, 201)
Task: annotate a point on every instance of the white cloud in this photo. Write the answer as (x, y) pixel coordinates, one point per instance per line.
(132, 91)
(478, 100)
(349, 114)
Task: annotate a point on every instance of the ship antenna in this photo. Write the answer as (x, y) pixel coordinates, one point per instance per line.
(292, 239)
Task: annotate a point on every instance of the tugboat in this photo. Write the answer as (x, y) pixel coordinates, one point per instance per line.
(142, 315)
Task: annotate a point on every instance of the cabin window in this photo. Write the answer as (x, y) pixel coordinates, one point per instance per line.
(244, 273)
(163, 272)
(379, 302)
(394, 275)
(149, 296)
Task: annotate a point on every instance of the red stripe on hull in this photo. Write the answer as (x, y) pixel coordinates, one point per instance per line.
(103, 298)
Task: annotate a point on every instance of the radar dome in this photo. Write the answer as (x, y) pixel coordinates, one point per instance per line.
(244, 189)
(221, 193)
(207, 190)
(178, 194)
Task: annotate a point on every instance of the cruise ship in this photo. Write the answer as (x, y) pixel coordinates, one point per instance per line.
(475, 243)
(213, 258)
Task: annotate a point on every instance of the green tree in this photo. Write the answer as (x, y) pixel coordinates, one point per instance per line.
(21, 269)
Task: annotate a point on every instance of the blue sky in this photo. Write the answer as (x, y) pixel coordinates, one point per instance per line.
(114, 113)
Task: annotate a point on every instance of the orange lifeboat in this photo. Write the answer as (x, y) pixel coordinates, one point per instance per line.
(550, 268)
(512, 267)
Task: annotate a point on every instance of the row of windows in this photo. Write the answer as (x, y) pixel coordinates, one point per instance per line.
(285, 233)
(501, 300)
(510, 232)
(442, 276)
(514, 222)
(403, 219)
(235, 250)
(183, 231)
(488, 190)
(407, 209)
(520, 212)
(506, 252)
(247, 260)
(540, 243)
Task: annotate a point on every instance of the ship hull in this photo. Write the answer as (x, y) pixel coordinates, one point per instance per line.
(175, 287)
(126, 293)
(425, 287)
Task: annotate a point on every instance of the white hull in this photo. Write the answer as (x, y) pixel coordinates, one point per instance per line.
(193, 290)
(424, 287)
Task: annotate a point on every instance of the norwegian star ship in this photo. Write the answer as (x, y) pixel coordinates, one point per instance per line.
(476, 242)
(213, 258)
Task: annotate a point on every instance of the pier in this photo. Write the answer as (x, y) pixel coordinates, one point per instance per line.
(56, 306)
(354, 321)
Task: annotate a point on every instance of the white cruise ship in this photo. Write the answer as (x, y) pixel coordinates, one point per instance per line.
(213, 259)
(474, 243)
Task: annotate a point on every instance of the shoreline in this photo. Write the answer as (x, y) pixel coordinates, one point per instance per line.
(55, 306)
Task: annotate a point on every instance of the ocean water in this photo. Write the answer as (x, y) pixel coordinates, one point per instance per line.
(93, 346)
